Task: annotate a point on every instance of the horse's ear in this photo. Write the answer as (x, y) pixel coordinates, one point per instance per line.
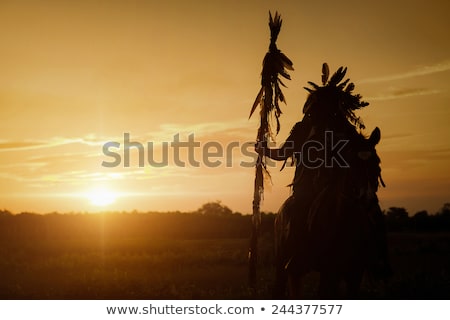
(375, 136)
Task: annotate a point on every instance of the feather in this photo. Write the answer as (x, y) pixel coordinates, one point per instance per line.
(284, 165)
(337, 76)
(312, 84)
(277, 111)
(277, 64)
(381, 181)
(282, 97)
(350, 87)
(267, 176)
(275, 26)
(325, 73)
(278, 125)
(343, 84)
(287, 63)
(257, 101)
(285, 75)
(276, 90)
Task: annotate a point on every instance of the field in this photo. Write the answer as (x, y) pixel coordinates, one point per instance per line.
(177, 256)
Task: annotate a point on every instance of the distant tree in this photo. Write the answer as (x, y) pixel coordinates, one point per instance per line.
(422, 221)
(5, 213)
(215, 209)
(445, 210)
(397, 213)
(443, 218)
(421, 214)
(397, 219)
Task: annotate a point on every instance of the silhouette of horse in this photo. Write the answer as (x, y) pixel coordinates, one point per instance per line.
(333, 225)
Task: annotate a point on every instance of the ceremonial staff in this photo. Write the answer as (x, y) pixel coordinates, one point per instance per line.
(275, 64)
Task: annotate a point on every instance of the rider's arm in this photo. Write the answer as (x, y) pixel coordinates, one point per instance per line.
(293, 142)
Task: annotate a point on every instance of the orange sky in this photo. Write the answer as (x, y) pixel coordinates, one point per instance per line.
(75, 74)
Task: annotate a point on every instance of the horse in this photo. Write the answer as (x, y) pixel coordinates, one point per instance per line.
(333, 224)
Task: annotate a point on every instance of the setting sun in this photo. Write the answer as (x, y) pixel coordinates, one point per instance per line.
(101, 197)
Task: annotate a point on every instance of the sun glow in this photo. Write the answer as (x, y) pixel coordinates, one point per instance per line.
(101, 197)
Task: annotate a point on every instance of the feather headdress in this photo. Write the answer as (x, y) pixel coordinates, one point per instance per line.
(335, 96)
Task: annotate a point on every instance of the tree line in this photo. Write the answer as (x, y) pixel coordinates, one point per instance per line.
(213, 220)
(398, 220)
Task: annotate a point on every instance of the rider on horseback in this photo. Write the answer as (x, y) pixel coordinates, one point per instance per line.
(327, 177)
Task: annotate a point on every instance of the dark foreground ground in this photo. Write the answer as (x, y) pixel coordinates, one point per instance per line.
(98, 257)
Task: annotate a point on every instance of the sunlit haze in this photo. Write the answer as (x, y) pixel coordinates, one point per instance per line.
(77, 74)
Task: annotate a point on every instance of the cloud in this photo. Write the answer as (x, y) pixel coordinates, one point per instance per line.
(90, 140)
(14, 145)
(205, 128)
(397, 136)
(422, 71)
(404, 158)
(56, 164)
(404, 93)
(57, 177)
(235, 128)
(58, 157)
(439, 154)
(34, 144)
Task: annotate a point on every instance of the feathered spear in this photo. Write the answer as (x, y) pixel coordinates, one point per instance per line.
(275, 64)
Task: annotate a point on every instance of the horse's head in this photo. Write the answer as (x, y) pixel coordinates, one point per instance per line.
(367, 148)
(366, 165)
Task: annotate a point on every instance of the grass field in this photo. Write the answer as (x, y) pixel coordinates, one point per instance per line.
(125, 269)
(138, 266)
